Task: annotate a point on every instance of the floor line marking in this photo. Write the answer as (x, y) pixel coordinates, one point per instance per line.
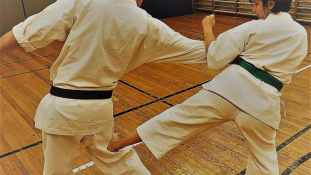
(288, 141)
(24, 73)
(167, 103)
(304, 68)
(89, 164)
(116, 115)
(20, 149)
(138, 89)
(145, 92)
(159, 99)
(296, 164)
(82, 167)
(29, 59)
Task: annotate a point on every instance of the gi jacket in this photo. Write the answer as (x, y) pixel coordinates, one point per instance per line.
(104, 40)
(276, 45)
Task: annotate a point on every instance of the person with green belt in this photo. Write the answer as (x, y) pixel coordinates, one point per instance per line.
(263, 55)
(104, 39)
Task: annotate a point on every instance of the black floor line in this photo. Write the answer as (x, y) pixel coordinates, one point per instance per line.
(116, 115)
(200, 33)
(193, 37)
(24, 73)
(167, 103)
(288, 170)
(285, 172)
(296, 164)
(162, 99)
(144, 92)
(28, 59)
(294, 137)
(20, 149)
(232, 133)
(158, 99)
(138, 89)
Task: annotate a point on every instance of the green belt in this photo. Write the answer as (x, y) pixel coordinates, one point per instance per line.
(258, 73)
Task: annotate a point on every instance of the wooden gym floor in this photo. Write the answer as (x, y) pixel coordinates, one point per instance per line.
(142, 94)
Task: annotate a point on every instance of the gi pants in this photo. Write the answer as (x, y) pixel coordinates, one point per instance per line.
(205, 110)
(61, 152)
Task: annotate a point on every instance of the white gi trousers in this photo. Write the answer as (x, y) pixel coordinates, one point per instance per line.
(61, 152)
(205, 110)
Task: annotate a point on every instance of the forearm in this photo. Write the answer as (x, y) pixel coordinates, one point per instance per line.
(8, 43)
(209, 37)
(208, 23)
(182, 50)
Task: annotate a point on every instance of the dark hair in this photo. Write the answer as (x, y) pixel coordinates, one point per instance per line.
(279, 5)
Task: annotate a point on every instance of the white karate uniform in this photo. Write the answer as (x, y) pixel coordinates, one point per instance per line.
(277, 45)
(104, 40)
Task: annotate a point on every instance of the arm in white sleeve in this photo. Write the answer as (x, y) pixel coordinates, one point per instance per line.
(227, 46)
(53, 23)
(172, 47)
(181, 50)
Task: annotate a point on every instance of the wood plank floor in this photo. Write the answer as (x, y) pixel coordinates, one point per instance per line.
(140, 95)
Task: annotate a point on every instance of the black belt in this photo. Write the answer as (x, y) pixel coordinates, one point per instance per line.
(258, 73)
(81, 94)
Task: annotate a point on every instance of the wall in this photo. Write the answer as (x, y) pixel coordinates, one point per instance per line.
(167, 8)
(35, 6)
(14, 11)
(11, 13)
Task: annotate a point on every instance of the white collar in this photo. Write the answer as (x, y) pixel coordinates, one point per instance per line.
(280, 15)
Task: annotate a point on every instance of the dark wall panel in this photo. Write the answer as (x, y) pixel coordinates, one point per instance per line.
(167, 8)
(36, 6)
(11, 13)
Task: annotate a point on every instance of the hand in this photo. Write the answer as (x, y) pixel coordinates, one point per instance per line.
(208, 21)
(139, 2)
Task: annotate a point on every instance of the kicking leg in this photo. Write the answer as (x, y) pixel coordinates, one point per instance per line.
(167, 130)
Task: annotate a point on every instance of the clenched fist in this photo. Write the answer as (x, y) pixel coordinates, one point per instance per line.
(208, 21)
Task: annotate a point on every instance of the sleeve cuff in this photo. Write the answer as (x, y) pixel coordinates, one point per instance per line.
(21, 39)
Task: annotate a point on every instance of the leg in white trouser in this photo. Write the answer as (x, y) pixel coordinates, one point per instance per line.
(124, 162)
(202, 111)
(60, 153)
(205, 110)
(260, 139)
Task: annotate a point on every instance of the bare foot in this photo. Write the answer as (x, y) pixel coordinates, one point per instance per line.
(112, 145)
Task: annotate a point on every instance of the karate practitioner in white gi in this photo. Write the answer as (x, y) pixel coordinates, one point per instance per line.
(269, 50)
(103, 40)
